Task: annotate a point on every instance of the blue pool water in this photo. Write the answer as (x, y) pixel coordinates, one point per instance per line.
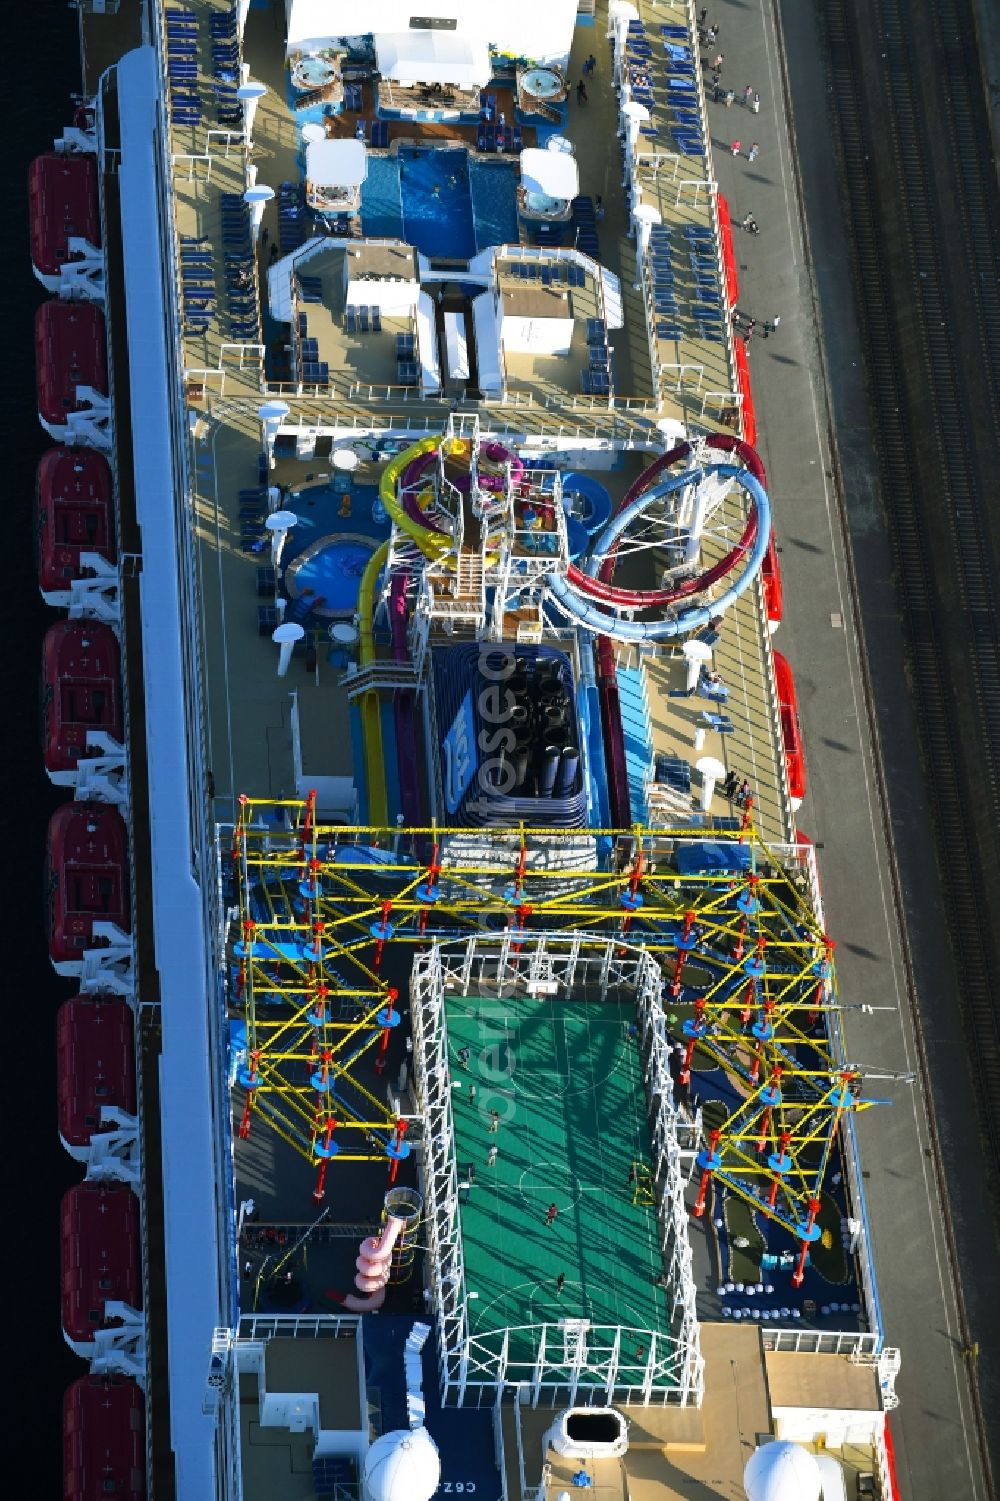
(335, 573)
(441, 201)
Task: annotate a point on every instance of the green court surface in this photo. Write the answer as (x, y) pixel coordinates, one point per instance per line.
(566, 1080)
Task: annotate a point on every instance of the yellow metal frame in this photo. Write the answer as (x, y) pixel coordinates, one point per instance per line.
(311, 916)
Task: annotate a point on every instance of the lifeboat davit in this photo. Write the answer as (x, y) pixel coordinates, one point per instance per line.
(791, 733)
(62, 205)
(774, 594)
(99, 1239)
(70, 355)
(73, 498)
(81, 693)
(86, 880)
(104, 1447)
(95, 1067)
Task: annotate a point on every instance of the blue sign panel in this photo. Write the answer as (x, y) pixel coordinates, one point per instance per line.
(459, 755)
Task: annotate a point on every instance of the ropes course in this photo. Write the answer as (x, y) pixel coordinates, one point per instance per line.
(748, 984)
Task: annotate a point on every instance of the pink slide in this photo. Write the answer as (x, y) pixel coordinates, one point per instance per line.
(374, 1264)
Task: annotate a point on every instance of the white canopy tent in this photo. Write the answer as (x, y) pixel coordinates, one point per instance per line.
(539, 29)
(409, 57)
(554, 174)
(342, 164)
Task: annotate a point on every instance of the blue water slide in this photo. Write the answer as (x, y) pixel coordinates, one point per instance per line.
(595, 511)
(609, 622)
(589, 708)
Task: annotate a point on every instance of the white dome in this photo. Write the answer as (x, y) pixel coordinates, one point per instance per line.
(782, 1472)
(402, 1466)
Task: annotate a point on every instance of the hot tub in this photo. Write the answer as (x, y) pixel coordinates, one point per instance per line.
(332, 568)
(542, 83)
(313, 72)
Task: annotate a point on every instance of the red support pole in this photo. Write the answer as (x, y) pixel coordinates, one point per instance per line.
(306, 831)
(636, 876)
(684, 1076)
(380, 942)
(319, 1192)
(798, 1276)
(394, 1161)
(738, 950)
(747, 809)
(772, 1197)
(523, 912)
(383, 1048)
(675, 985)
(699, 1208)
(244, 1131)
(746, 1011)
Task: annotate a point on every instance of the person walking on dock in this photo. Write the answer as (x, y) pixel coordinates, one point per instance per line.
(717, 62)
(754, 152)
(735, 147)
(581, 92)
(747, 95)
(551, 1214)
(755, 103)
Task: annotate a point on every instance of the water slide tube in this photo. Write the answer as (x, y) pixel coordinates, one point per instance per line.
(589, 711)
(432, 542)
(374, 1264)
(371, 720)
(407, 467)
(597, 584)
(608, 622)
(607, 681)
(403, 708)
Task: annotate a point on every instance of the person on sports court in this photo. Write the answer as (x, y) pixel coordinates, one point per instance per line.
(552, 1212)
(560, 1283)
(491, 1156)
(494, 1124)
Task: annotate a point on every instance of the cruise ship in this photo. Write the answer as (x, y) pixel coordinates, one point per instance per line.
(455, 1065)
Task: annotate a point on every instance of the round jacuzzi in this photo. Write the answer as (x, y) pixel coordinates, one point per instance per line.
(313, 72)
(332, 568)
(542, 83)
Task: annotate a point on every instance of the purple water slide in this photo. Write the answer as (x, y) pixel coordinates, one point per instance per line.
(404, 710)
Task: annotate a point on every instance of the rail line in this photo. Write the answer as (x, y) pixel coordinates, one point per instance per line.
(917, 181)
(917, 176)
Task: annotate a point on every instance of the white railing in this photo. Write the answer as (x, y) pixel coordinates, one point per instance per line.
(822, 1342)
(254, 1327)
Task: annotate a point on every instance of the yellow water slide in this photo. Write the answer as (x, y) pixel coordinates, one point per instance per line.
(432, 544)
(371, 712)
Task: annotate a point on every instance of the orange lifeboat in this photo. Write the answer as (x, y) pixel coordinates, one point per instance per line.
(86, 877)
(95, 1066)
(62, 205)
(791, 733)
(104, 1446)
(81, 692)
(74, 515)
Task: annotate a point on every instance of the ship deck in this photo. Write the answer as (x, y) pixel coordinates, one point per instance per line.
(251, 710)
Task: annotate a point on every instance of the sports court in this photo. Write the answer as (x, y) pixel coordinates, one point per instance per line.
(565, 1078)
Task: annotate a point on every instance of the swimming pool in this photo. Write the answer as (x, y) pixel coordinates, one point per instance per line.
(331, 568)
(440, 200)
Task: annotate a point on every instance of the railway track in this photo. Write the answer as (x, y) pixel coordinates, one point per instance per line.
(921, 198)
